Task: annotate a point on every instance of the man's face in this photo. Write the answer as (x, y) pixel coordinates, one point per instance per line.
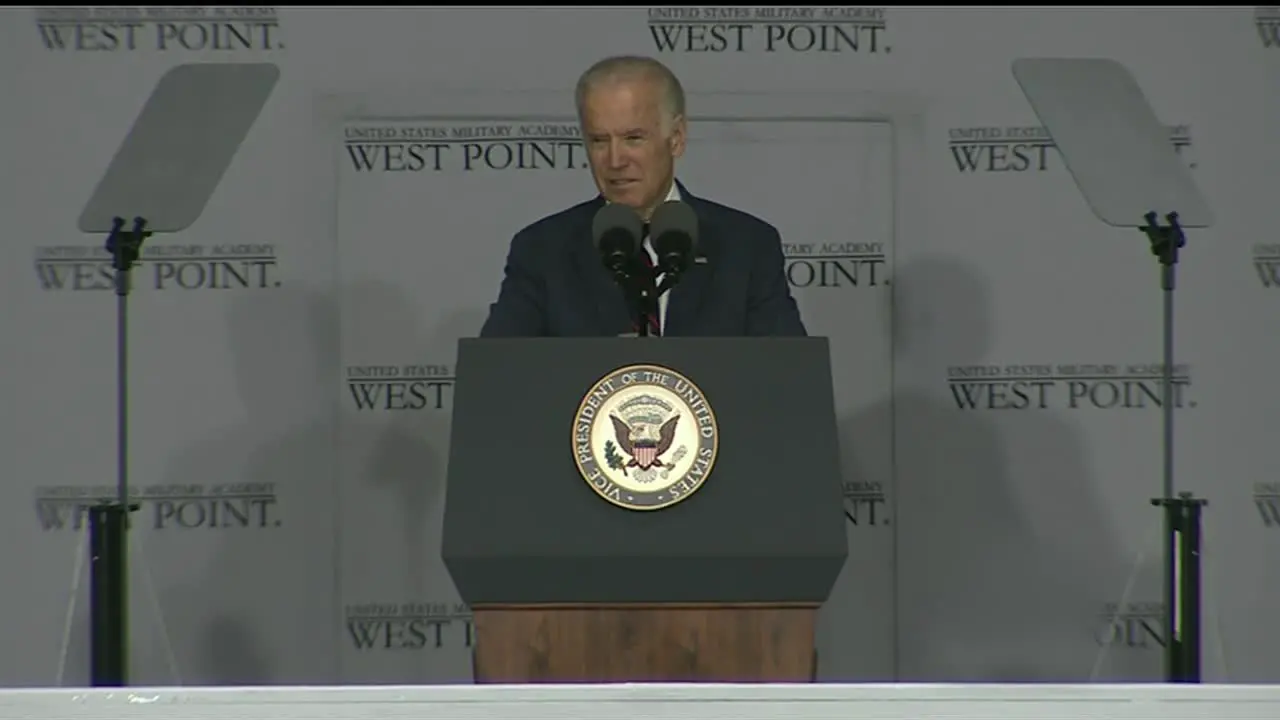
(631, 160)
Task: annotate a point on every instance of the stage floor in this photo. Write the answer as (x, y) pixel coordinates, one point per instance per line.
(632, 702)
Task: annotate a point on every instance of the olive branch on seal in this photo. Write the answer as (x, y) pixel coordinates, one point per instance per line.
(611, 455)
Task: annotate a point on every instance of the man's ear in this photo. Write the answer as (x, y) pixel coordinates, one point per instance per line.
(679, 132)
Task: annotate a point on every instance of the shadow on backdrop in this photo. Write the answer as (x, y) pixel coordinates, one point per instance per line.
(855, 627)
(395, 444)
(260, 602)
(243, 576)
(1001, 575)
(395, 456)
(253, 603)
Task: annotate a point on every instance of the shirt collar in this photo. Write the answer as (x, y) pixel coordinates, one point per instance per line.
(673, 195)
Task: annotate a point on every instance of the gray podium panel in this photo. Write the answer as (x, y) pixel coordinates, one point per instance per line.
(522, 526)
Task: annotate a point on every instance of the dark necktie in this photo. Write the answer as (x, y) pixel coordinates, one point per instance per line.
(655, 325)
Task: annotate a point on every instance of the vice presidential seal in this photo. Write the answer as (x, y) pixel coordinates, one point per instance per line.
(645, 437)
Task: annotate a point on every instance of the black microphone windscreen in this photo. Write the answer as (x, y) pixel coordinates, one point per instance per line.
(675, 217)
(612, 218)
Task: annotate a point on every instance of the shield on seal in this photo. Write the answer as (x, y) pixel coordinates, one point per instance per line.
(645, 455)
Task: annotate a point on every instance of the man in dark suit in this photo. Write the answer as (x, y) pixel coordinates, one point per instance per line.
(632, 112)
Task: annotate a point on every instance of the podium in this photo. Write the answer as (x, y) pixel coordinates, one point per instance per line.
(644, 510)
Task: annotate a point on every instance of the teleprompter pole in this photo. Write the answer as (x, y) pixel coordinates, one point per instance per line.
(109, 520)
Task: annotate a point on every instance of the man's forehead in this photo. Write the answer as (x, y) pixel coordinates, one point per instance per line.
(625, 124)
(621, 131)
(633, 90)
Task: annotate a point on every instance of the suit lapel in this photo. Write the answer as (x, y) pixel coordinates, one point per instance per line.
(610, 304)
(686, 297)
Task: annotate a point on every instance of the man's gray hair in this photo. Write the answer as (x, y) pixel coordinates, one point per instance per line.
(622, 68)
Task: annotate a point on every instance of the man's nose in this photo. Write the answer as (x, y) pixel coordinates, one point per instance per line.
(617, 158)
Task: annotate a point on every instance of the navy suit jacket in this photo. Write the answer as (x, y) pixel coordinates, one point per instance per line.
(556, 286)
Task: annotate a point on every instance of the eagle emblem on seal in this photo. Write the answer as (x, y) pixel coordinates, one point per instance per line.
(645, 439)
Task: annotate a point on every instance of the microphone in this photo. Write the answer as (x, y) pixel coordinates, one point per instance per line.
(674, 234)
(616, 230)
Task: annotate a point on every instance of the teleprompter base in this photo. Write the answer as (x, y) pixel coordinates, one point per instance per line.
(644, 643)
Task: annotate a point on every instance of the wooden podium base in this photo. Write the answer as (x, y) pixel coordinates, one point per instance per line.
(644, 643)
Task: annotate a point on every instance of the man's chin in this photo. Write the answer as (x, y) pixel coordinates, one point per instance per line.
(631, 196)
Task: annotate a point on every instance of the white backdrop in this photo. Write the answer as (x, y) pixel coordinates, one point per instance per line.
(995, 360)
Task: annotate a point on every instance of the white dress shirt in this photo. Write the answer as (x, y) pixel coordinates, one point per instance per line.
(674, 194)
